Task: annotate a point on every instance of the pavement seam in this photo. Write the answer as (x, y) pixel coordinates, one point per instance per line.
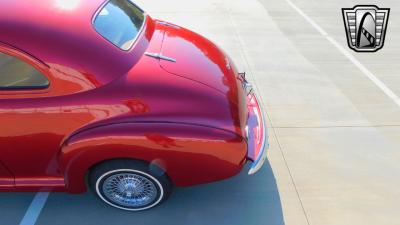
(291, 175)
(246, 61)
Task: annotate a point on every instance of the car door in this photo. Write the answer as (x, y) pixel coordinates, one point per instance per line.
(39, 108)
(25, 137)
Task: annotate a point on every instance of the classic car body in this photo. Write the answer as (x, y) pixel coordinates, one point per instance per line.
(170, 98)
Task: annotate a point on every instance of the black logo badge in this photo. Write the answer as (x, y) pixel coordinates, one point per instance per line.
(365, 27)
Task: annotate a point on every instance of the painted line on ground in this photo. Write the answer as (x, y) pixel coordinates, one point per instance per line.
(348, 55)
(35, 208)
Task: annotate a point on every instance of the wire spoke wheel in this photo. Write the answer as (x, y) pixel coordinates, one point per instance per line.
(129, 185)
(129, 189)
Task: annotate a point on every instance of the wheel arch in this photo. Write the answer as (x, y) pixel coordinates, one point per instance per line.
(170, 146)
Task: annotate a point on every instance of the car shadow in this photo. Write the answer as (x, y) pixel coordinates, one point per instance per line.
(240, 200)
(13, 206)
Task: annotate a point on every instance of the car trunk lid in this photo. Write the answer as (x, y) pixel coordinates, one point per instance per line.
(187, 54)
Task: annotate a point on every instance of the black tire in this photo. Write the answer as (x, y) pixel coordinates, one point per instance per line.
(140, 176)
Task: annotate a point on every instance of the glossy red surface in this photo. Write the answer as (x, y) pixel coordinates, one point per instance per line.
(103, 103)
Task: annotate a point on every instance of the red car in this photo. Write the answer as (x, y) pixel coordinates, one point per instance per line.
(97, 94)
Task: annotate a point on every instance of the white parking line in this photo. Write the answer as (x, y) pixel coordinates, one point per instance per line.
(346, 53)
(35, 208)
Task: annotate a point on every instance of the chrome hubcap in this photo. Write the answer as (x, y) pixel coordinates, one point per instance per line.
(129, 190)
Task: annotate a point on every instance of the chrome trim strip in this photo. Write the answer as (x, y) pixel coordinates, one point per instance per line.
(262, 156)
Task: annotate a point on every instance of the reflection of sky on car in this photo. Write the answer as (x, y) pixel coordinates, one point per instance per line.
(67, 4)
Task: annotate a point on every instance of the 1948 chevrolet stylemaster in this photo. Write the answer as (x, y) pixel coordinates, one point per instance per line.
(99, 93)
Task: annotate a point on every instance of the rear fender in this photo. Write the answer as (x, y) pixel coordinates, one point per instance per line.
(189, 154)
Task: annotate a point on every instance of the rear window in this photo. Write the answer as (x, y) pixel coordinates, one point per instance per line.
(120, 22)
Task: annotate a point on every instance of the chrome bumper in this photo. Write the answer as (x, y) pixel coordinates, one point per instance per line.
(257, 134)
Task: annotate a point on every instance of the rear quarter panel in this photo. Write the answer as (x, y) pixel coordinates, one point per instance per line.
(190, 154)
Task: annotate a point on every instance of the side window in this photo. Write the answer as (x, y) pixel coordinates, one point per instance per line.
(16, 75)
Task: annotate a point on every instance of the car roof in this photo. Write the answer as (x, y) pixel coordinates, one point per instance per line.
(60, 32)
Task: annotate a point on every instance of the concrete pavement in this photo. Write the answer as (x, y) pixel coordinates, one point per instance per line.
(334, 134)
